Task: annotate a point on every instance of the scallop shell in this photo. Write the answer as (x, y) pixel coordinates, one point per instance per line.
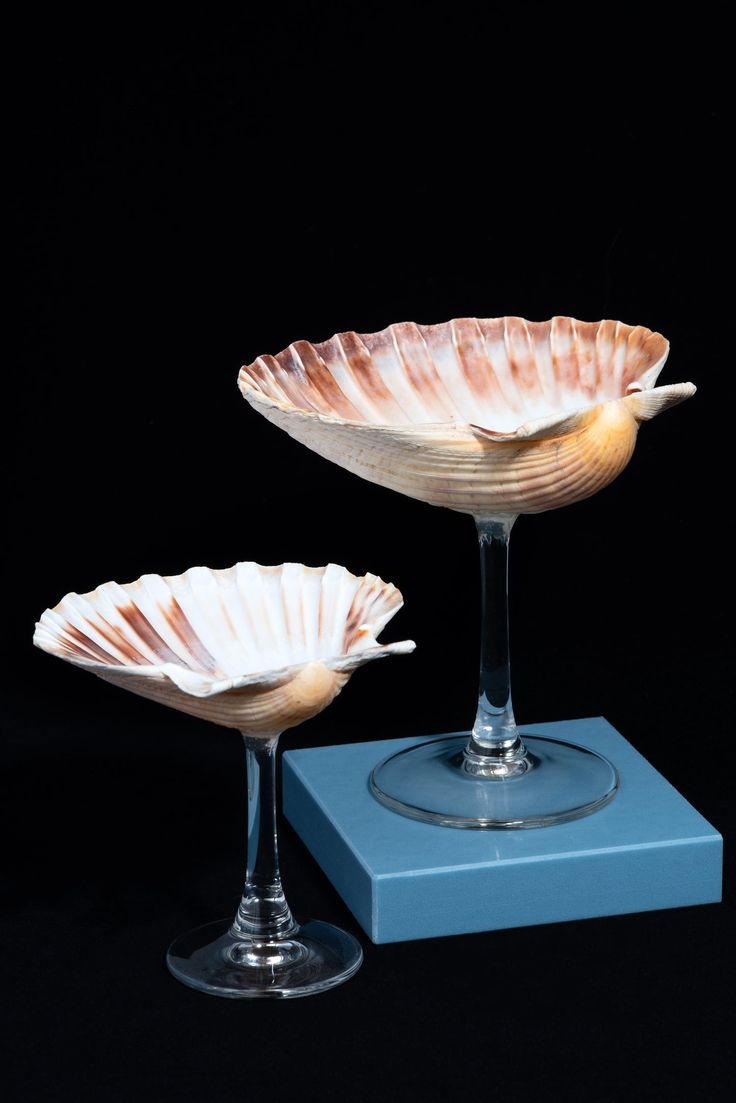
(484, 416)
(255, 648)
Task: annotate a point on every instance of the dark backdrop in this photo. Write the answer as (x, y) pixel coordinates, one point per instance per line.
(189, 198)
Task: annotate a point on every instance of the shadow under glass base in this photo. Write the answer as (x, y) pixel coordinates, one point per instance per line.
(431, 782)
(316, 957)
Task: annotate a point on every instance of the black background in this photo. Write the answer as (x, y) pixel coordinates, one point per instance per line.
(190, 197)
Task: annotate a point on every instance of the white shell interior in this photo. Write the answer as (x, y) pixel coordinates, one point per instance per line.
(222, 623)
(496, 373)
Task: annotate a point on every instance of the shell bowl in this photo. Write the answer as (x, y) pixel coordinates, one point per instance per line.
(484, 416)
(256, 648)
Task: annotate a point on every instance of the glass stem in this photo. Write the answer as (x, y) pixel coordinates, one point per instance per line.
(495, 746)
(264, 914)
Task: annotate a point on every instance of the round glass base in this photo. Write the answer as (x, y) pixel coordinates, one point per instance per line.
(435, 782)
(316, 957)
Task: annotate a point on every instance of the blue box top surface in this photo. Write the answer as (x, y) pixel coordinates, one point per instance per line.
(390, 845)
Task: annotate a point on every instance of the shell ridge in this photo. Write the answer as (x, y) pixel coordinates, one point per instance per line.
(619, 357)
(369, 376)
(404, 368)
(151, 598)
(271, 609)
(448, 402)
(161, 593)
(299, 363)
(510, 391)
(295, 395)
(79, 617)
(248, 635)
(199, 600)
(94, 626)
(533, 355)
(78, 640)
(367, 402)
(183, 627)
(443, 355)
(517, 375)
(61, 626)
(257, 700)
(137, 629)
(585, 384)
(327, 401)
(501, 379)
(421, 373)
(272, 371)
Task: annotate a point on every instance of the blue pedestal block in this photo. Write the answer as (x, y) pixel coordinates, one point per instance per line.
(648, 849)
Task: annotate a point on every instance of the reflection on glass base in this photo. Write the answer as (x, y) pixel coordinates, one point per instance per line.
(318, 956)
(432, 782)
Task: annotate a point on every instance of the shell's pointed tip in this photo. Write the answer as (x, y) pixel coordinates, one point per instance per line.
(647, 404)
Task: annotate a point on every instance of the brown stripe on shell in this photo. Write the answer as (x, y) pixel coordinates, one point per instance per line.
(354, 620)
(68, 648)
(643, 350)
(324, 390)
(472, 357)
(288, 373)
(86, 646)
(359, 361)
(178, 622)
(263, 379)
(564, 360)
(145, 631)
(266, 703)
(420, 368)
(520, 352)
(371, 593)
(116, 639)
(587, 361)
(596, 360)
(605, 348)
(484, 381)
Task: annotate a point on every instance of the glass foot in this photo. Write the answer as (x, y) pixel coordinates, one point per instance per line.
(316, 957)
(435, 782)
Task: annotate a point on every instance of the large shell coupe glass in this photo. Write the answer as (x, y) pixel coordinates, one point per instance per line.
(259, 649)
(491, 417)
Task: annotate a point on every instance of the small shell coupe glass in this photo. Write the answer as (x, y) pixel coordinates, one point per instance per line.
(491, 417)
(259, 649)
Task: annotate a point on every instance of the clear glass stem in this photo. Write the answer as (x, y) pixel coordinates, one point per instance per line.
(264, 915)
(264, 952)
(495, 748)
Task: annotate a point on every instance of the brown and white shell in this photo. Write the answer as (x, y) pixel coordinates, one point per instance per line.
(251, 647)
(484, 416)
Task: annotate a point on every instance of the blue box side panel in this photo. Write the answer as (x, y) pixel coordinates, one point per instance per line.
(551, 891)
(330, 850)
(647, 850)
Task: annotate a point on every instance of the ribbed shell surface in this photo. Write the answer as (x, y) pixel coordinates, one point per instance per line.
(212, 642)
(462, 414)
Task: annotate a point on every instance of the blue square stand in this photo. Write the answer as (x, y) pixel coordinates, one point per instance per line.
(402, 879)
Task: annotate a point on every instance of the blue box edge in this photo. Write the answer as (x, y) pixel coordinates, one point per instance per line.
(366, 897)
